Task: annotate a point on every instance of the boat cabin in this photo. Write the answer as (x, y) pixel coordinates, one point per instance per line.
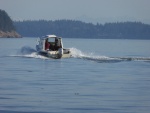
(49, 42)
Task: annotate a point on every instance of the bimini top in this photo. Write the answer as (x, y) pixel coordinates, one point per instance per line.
(50, 36)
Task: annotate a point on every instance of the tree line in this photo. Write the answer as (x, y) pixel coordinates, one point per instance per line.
(6, 24)
(79, 29)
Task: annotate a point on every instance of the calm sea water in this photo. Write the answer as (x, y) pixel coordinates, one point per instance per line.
(103, 76)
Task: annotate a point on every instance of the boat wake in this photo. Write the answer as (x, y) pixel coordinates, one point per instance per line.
(104, 59)
(28, 52)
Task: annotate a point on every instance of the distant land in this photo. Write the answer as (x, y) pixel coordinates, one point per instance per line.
(7, 29)
(79, 29)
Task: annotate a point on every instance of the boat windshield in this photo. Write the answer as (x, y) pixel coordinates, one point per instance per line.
(51, 39)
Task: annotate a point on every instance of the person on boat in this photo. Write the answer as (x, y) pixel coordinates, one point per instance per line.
(57, 44)
(47, 45)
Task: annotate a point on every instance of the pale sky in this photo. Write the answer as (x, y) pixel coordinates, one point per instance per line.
(100, 11)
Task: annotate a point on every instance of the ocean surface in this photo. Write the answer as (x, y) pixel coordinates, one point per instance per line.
(102, 76)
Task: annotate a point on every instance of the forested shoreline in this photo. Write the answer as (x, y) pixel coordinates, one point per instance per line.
(79, 29)
(72, 29)
(7, 28)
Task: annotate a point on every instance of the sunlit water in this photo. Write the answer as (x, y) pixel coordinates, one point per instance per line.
(102, 76)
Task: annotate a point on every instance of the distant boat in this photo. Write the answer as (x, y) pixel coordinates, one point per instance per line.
(51, 46)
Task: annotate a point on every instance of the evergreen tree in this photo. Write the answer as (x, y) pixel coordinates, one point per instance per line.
(78, 29)
(6, 24)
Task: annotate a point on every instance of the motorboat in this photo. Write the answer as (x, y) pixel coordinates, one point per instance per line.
(52, 46)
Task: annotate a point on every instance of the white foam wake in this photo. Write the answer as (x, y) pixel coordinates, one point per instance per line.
(33, 55)
(76, 53)
(28, 52)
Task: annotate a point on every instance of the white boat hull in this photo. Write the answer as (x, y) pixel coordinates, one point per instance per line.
(55, 54)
